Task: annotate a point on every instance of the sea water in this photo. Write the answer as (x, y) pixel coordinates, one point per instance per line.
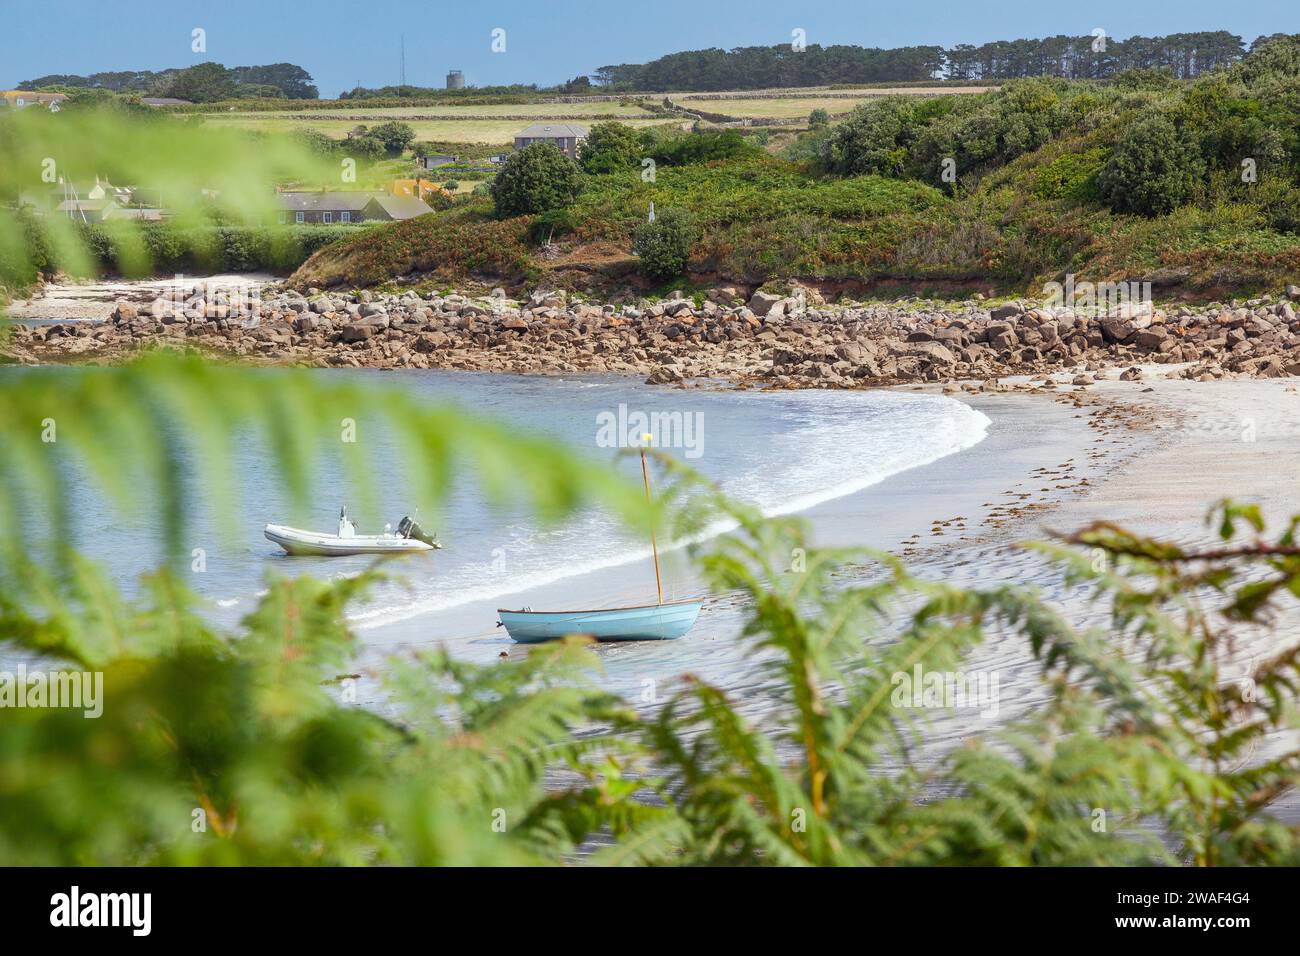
(782, 451)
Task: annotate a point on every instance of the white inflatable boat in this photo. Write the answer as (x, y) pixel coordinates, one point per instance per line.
(410, 537)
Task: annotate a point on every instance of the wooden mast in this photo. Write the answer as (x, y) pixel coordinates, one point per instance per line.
(654, 547)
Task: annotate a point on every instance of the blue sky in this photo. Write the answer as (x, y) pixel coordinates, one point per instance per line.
(346, 42)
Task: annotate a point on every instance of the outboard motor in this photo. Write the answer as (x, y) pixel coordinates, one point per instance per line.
(346, 528)
(409, 529)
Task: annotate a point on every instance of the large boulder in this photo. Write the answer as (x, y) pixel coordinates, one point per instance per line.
(358, 331)
(760, 303)
(936, 353)
(432, 341)
(664, 375)
(854, 352)
(1150, 340)
(1003, 338)
(1117, 329)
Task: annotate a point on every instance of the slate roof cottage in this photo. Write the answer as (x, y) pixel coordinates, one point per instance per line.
(336, 207)
(566, 136)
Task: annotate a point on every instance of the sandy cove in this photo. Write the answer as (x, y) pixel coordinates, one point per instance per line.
(1152, 454)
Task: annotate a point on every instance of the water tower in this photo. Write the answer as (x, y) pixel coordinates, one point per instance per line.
(455, 80)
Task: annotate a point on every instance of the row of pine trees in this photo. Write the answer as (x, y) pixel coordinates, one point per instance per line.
(1185, 55)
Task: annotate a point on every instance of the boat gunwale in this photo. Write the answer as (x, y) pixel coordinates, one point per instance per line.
(604, 610)
(324, 545)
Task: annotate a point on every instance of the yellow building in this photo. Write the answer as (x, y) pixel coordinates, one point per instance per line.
(416, 189)
(18, 99)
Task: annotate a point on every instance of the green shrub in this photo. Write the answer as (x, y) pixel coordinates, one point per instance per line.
(983, 133)
(1279, 200)
(1072, 176)
(1145, 78)
(699, 147)
(1155, 168)
(1278, 57)
(665, 244)
(366, 148)
(214, 248)
(28, 254)
(535, 179)
(395, 136)
(874, 139)
(554, 222)
(809, 147)
(317, 142)
(610, 147)
(452, 245)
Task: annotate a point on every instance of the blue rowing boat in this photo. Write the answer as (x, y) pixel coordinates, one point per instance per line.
(650, 622)
(645, 622)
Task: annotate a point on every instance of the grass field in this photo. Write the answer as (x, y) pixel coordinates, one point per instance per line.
(496, 124)
(828, 92)
(471, 129)
(768, 108)
(487, 111)
(787, 107)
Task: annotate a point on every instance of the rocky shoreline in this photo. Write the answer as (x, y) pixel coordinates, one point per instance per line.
(765, 340)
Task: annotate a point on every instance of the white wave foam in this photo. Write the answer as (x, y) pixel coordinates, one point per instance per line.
(918, 431)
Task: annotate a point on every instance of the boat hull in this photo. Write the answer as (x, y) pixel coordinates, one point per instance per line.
(653, 622)
(295, 541)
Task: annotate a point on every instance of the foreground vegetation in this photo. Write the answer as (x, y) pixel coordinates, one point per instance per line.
(249, 747)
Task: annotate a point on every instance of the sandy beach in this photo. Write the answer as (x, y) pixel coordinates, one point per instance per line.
(94, 301)
(1167, 452)
(1153, 455)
